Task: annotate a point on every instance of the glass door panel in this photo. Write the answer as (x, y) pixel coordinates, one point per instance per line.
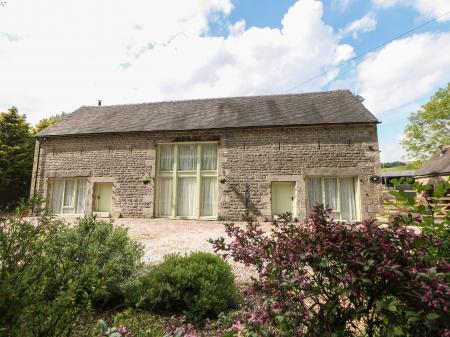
(186, 191)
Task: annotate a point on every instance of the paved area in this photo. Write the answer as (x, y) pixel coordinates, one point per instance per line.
(163, 236)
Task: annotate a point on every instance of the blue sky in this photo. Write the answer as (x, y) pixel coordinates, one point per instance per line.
(391, 22)
(56, 55)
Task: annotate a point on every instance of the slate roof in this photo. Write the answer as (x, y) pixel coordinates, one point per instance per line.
(331, 107)
(438, 165)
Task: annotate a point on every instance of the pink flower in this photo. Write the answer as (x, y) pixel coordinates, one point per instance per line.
(237, 326)
(445, 332)
(122, 330)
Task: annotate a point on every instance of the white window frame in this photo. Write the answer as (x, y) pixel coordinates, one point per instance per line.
(322, 181)
(74, 196)
(198, 173)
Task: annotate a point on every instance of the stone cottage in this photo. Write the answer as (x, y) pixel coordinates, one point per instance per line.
(213, 158)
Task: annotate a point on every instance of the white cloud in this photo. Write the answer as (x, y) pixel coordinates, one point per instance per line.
(237, 28)
(64, 54)
(366, 24)
(392, 151)
(427, 8)
(404, 71)
(341, 4)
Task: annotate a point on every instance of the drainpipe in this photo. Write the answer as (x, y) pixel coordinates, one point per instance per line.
(37, 166)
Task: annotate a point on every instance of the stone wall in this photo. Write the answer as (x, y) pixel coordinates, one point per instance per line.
(250, 159)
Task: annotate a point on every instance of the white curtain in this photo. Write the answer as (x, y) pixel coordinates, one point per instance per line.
(209, 197)
(187, 157)
(348, 202)
(57, 189)
(186, 196)
(69, 193)
(314, 190)
(331, 193)
(209, 157)
(81, 196)
(166, 157)
(165, 196)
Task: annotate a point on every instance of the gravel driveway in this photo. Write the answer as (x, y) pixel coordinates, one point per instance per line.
(163, 236)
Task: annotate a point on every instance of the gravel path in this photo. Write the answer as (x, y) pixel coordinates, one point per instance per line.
(162, 236)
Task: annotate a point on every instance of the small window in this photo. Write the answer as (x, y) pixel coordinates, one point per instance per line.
(338, 193)
(67, 196)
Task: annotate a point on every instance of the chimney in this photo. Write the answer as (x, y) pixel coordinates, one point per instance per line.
(99, 102)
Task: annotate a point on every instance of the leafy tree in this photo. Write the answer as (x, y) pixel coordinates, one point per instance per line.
(429, 127)
(393, 164)
(16, 156)
(46, 122)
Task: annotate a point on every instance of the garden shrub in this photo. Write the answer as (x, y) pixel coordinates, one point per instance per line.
(108, 249)
(328, 278)
(199, 285)
(52, 273)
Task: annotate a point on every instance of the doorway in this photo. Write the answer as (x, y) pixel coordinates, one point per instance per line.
(283, 193)
(102, 199)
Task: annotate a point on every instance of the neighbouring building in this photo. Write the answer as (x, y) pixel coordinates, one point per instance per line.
(437, 168)
(213, 158)
(389, 177)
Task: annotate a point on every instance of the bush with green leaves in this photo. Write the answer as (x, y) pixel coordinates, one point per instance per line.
(52, 273)
(199, 285)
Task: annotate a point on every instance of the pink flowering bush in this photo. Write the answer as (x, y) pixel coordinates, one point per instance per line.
(328, 278)
(180, 327)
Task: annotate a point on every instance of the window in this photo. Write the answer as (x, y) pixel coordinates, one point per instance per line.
(67, 196)
(338, 193)
(187, 180)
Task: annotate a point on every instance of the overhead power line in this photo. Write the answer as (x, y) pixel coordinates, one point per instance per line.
(368, 51)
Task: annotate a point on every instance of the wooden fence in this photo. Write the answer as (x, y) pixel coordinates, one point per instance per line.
(439, 206)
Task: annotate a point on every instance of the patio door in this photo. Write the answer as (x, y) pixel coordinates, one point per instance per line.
(187, 180)
(282, 197)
